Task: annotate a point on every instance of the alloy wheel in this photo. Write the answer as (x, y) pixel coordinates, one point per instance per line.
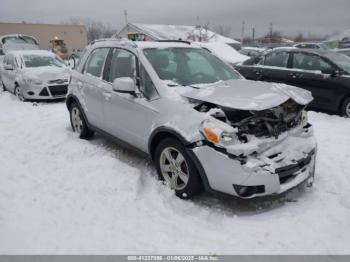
(347, 110)
(174, 168)
(77, 121)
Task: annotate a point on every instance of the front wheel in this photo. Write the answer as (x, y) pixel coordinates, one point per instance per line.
(78, 122)
(19, 94)
(175, 167)
(345, 108)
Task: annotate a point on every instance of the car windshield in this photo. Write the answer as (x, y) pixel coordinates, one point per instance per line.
(340, 60)
(189, 66)
(40, 60)
(21, 39)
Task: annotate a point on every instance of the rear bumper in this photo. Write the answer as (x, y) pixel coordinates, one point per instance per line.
(274, 171)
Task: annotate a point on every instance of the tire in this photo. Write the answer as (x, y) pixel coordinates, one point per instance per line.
(3, 86)
(174, 166)
(345, 108)
(78, 122)
(19, 94)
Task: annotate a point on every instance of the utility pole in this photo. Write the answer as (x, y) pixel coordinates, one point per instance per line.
(253, 35)
(126, 16)
(271, 31)
(243, 29)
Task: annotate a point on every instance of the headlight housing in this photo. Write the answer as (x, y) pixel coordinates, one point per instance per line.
(34, 81)
(218, 132)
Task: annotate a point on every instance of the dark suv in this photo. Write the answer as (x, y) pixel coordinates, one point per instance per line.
(324, 73)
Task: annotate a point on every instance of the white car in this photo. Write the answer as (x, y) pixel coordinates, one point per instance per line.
(34, 75)
(203, 125)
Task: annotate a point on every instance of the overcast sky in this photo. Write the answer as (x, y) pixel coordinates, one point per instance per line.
(289, 16)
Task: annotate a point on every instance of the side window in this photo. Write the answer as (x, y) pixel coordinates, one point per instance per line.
(147, 87)
(11, 61)
(310, 62)
(276, 59)
(95, 62)
(123, 64)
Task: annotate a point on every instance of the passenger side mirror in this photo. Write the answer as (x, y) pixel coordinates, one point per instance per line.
(124, 85)
(331, 72)
(8, 67)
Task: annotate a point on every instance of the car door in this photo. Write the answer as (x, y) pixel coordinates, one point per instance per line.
(251, 68)
(90, 85)
(274, 67)
(307, 74)
(129, 117)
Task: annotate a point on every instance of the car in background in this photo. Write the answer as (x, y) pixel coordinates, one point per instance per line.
(325, 73)
(252, 51)
(34, 75)
(320, 46)
(203, 125)
(224, 52)
(17, 42)
(344, 51)
(345, 43)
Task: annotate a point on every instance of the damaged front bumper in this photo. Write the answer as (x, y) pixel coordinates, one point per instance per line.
(268, 167)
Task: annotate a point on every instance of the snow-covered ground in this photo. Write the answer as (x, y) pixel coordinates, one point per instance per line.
(62, 195)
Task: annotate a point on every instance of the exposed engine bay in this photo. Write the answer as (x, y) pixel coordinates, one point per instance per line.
(266, 123)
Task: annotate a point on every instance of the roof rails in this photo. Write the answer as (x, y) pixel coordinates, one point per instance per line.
(175, 41)
(121, 40)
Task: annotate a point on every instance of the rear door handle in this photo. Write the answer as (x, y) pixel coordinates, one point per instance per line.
(107, 95)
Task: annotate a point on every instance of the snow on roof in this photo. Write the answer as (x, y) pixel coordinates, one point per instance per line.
(183, 32)
(32, 52)
(225, 52)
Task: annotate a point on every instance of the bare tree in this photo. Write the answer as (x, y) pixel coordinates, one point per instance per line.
(95, 29)
(224, 30)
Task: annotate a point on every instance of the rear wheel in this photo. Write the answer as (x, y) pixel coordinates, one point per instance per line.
(19, 94)
(78, 122)
(175, 167)
(345, 109)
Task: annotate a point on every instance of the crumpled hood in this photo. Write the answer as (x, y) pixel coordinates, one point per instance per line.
(249, 95)
(47, 73)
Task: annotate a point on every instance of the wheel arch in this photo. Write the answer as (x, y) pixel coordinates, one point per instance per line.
(73, 99)
(161, 133)
(340, 106)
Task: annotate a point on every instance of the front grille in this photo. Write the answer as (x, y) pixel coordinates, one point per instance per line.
(289, 171)
(59, 90)
(44, 92)
(58, 81)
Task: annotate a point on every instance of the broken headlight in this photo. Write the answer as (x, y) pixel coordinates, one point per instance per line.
(304, 118)
(218, 132)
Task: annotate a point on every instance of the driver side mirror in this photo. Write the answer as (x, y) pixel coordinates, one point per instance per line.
(8, 67)
(124, 85)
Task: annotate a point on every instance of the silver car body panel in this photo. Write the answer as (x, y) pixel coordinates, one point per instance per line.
(135, 119)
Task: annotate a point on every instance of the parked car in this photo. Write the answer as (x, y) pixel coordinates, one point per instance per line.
(344, 51)
(224, 51)
(320, 46)
(202, 124)
(34, 75)
(17, 42)
(345, 43)
(252, 51)
(324, 73)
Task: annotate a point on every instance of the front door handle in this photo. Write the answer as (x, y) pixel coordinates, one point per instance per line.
(295, 75)
(80, 85)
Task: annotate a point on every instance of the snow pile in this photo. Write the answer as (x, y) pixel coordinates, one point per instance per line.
(62, 195)
(183, 32)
